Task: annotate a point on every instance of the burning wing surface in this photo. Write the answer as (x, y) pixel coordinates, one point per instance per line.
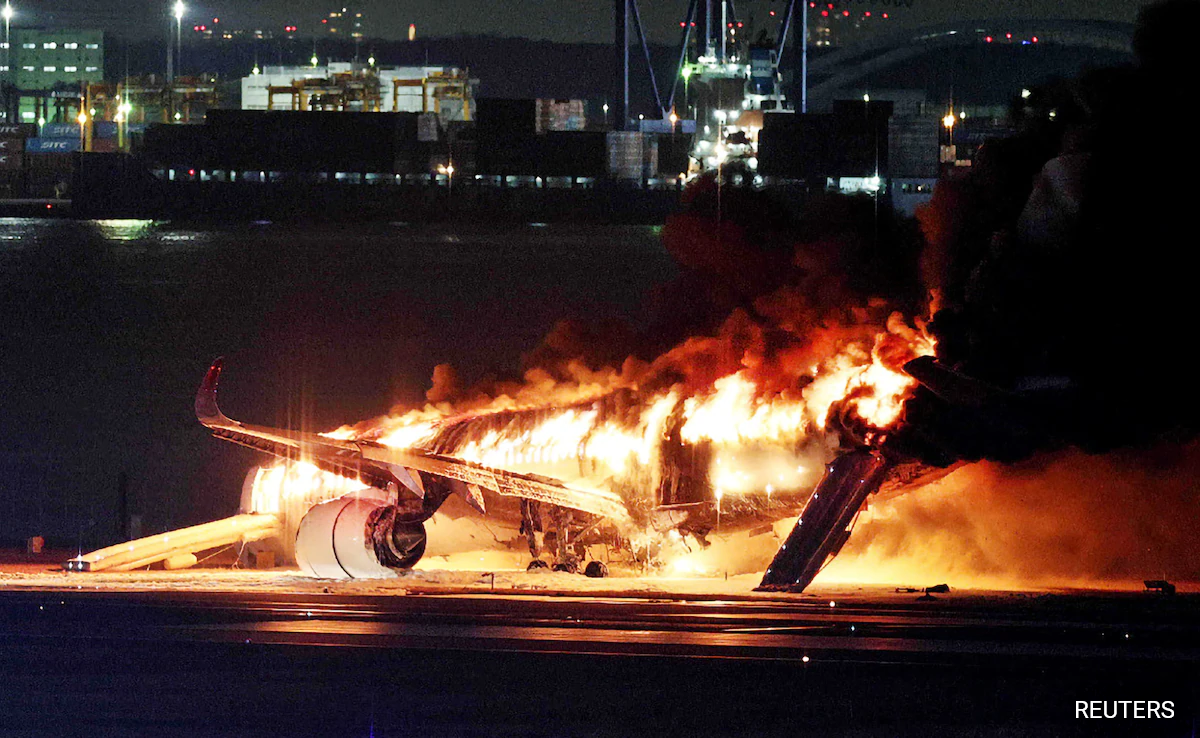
(393, 469)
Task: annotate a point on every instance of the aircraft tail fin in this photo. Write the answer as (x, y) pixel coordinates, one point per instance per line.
(207, 410)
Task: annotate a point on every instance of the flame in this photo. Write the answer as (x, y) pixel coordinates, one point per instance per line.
(278, 488)
(736, 412)
(760, 432)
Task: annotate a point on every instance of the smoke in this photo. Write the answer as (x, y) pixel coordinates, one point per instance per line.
(1066, 519)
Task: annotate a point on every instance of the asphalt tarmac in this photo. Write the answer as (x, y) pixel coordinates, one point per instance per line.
(478, 663)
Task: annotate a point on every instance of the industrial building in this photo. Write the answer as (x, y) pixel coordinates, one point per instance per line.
(353, 87)
(45, 65)
(41, 60)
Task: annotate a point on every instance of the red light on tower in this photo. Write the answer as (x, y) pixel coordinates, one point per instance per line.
(824, 13)
(846, 13)
(1008, 36)
(216, 21)
(988, 39)
(867, 14)
(773, 12)
(1034, 39)
(682, 24)
(885, 15)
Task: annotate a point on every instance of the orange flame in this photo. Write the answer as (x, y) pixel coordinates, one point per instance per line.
(760, 439)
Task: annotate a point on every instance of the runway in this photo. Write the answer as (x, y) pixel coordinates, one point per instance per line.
(890, 628)
(452, 662)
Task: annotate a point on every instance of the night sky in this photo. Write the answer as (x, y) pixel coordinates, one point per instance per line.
(570, 21)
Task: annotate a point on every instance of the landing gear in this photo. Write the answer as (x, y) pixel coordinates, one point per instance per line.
(531, 526)
(568, 565)
(568, 554)
(596, 570)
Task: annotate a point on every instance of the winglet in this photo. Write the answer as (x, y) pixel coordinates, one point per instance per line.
(207, 411)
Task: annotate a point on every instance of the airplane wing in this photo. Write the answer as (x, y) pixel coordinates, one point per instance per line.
(393, 469)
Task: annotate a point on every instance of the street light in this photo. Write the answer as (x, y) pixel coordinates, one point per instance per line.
(8, 14)
(447, 170)
(83, 119)
(123, 112)
(687, 74)
(949, 122)
(178, 13)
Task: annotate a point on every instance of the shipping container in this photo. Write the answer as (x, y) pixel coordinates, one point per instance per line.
(12, 152)
(560, 115)
(52, 145)
(632, 155)
(289, 141)
(49, 174)
(666, 126)
(501, 119)
(12, 183)
(18, 130)
(104, 129)
(572, 154)
(60, 130)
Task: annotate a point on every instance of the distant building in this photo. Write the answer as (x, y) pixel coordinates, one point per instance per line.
(46, 73)
(348, 86)
(344, 23)
(43, 60)
(844, 22)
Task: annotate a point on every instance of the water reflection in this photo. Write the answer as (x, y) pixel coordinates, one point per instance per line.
(127, 229)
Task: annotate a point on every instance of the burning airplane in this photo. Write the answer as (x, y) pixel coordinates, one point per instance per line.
(627, 462)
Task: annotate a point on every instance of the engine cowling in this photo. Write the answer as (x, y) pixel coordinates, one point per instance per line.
(357, 536)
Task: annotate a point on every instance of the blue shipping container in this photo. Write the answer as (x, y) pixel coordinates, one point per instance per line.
(100, 129)
(52, 145)
(60, 130)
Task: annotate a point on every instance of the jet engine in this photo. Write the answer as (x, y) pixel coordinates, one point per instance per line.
(357, 536)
